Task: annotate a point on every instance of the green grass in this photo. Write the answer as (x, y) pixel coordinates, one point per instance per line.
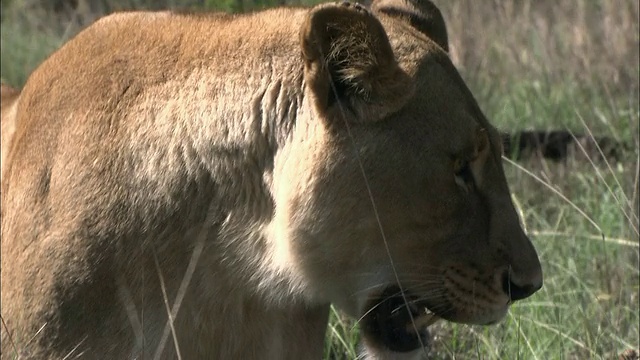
(23, 50)
(572, 67)
(341, 341)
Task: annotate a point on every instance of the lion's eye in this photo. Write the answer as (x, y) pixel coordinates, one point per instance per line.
(464, 175)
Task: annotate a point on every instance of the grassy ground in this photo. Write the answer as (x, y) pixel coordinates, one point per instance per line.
(561, 64)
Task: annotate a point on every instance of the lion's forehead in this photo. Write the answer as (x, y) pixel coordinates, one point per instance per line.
(443, 104)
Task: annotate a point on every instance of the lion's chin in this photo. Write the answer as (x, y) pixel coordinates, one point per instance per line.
(396, 322)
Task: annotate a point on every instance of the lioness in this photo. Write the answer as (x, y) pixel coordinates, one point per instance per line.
(206, 185)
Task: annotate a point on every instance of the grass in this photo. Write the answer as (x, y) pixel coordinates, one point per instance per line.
(28, 49)
(565, 64)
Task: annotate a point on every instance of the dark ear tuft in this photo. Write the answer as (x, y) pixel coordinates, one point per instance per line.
(349, 65)
(421, 14)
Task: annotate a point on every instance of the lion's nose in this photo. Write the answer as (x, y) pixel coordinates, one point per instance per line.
(517, 289)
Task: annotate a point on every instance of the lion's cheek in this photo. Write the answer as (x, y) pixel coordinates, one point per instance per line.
(338, 267)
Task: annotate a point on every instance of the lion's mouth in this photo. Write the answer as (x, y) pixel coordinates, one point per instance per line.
(398, 322)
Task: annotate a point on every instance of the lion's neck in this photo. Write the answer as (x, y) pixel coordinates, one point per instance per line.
(264, 333)
(229, 153)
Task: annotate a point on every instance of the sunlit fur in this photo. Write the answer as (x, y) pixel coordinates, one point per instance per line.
(9, 98)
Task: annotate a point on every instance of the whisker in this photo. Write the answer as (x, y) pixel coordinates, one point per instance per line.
(369, 288)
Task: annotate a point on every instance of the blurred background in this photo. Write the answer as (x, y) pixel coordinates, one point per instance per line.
(536, 67)
(504, 48)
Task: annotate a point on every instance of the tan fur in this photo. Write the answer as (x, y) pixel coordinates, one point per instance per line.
(8, 104)
(214, 166)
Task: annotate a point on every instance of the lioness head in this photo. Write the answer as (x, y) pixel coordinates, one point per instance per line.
(398, 202)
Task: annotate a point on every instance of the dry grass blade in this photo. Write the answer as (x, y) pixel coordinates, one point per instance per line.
(631, 217)
(617, 241)
(6, 329)
(555, 191)
(72, 351)
(169, 312)
(186, 280)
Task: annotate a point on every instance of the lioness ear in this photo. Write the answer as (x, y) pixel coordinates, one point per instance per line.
(421, 14)
(349, 65)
